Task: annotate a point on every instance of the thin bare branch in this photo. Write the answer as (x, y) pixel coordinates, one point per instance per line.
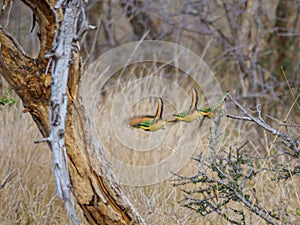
(239, 117)
(287, 140)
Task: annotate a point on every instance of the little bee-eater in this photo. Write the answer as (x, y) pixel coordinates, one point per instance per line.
(210, 112)
(192, 114)
(150, 123)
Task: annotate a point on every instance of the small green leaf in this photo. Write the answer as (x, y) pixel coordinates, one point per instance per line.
(7, 100)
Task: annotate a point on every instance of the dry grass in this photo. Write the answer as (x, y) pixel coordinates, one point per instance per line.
(29, 197)
(158, 202)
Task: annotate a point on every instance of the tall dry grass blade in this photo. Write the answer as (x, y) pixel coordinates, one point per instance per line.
(8, 178)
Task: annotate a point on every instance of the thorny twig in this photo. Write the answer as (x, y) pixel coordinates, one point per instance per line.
(221, 179)
(287, 140)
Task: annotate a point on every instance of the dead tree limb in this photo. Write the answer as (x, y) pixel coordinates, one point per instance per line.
(287, 140)
(96, 193)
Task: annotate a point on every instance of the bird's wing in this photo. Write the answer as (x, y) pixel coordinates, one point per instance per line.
(146, 123)
(181, 115)
(137, 120)
(194, 100)
(204, 111)
(160, 108)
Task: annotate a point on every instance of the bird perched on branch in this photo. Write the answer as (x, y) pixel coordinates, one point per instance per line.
(192, 114)
(210, 112)
(150, 123)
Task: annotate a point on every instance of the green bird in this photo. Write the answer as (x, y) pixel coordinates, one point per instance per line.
(192, 114)
(210, 112)
(150, 123)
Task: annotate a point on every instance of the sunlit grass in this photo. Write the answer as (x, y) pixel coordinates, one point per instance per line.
(30, 196)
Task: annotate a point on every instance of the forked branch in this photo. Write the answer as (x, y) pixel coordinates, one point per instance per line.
(287, 140)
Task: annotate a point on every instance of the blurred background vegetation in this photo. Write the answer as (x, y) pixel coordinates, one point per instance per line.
(248, 44)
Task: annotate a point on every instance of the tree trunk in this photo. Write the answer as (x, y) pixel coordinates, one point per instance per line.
(94, 185)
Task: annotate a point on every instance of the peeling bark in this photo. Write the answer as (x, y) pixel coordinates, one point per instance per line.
(92, 181)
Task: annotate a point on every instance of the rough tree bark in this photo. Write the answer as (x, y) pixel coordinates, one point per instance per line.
(92, 181)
